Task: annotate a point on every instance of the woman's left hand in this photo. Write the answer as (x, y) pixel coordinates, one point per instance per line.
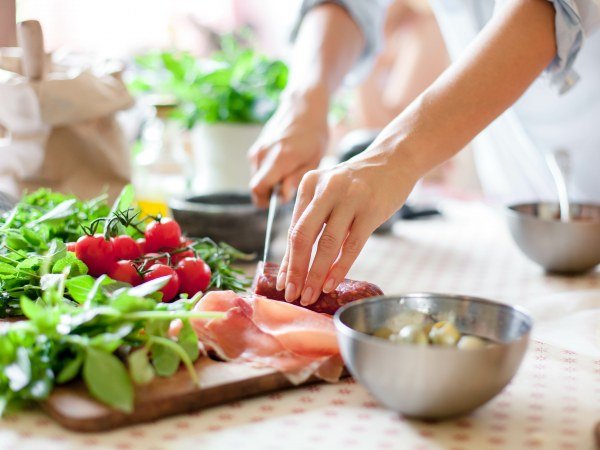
(344, 205)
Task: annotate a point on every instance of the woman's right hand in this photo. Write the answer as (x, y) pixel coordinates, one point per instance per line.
(292, 143)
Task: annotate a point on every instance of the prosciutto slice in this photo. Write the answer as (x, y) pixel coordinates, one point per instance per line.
(347, 291)
(267, 333)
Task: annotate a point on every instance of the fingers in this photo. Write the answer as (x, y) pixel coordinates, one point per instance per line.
(303, 200)
(330, 242)
(351, 248)
(303, 237)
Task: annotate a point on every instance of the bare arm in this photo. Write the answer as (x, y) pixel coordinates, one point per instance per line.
(349, 201)
(8, 30)
(293, 142)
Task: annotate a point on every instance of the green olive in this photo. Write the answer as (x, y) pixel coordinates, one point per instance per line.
(470, 343)
(383, 332)
(444, 333)
(411, 334)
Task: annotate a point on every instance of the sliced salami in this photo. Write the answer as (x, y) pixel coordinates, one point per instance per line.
(348, 290)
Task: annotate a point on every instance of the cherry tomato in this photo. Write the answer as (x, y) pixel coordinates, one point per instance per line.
(176, 257)
(126, 272)
(194, 275)
(126, 247)
(141, 242)
(165, 234)
(170, 289)
(155, 258)
(97, 253)
(71, 246)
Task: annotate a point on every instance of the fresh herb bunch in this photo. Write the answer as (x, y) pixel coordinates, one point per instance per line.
(44, 216)
(236, 85)
(33, 236)
(113, 335)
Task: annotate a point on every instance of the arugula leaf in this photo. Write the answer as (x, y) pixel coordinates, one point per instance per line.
(60, 211)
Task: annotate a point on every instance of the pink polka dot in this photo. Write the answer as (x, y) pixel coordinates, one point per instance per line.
(461, 437)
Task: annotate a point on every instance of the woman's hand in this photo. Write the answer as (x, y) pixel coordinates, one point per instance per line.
(343, 205)
(292, 143)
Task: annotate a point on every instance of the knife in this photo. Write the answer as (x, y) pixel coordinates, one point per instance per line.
(270, 219)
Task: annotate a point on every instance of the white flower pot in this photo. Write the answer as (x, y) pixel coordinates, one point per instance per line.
(220, 156)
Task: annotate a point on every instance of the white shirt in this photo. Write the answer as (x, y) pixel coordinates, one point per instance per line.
(560, 110)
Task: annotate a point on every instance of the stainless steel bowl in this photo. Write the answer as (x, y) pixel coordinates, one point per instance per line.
(561, 247)
(430, 381)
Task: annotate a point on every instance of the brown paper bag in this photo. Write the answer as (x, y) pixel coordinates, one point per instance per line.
(61, 131)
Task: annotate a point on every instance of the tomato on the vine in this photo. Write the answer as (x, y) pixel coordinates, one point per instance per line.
(141, 243)
(126, 247)
(170, 289)
(71, 246)
(97, 253)
(155, 258)
(194, 275)
(163, 234)
(126, 272)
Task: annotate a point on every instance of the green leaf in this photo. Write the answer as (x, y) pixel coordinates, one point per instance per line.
(78, 267)
(19, 372)
(71, 369)
(165, 360)
(7, 269)
(140, 368)
(31, 309)
(79, 287)
(107, 380)
(188, 340)
(33, 262)
(149, 287)
(62, 210)
(124, 201)
(51, 280)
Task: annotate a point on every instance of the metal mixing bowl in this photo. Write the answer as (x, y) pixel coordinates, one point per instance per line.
(430, 381)
(561, 247)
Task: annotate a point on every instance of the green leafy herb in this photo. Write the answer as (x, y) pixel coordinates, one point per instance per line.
(237, 84)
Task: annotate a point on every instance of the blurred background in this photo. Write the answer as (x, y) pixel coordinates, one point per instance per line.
(206, 76)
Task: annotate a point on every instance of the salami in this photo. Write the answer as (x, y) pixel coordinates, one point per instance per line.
(348, 290)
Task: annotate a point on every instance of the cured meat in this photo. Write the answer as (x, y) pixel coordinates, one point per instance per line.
(267, 333)
(348, 290)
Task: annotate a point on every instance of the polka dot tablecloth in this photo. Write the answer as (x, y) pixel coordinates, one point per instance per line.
(552, 403)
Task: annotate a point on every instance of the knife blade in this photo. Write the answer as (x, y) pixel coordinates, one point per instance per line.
(270, 219)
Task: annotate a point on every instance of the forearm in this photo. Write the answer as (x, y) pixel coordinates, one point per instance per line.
(328, 44)
(493, 73)
(7, 23)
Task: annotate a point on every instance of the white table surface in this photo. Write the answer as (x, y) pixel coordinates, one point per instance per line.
(552, 403)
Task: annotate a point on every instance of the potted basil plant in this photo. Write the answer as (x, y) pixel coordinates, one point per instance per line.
(224, 101)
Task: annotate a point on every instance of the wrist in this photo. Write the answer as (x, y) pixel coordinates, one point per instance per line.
(311, 101)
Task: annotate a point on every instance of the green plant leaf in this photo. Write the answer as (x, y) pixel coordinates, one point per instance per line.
(165, 360)
(124, 201)
(188, 340)
(140, 368)
(62, 210)
(77, 266)
(107, 380)
(71, 369)
(149, 287)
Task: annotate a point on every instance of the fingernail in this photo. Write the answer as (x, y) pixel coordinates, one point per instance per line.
(290, 292)
(328, 287)
(306, 296)
(280, 285)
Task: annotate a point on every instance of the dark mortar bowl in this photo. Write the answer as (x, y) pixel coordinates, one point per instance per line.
(226, 217)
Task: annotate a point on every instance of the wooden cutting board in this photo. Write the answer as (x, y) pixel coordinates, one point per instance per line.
(221, 382)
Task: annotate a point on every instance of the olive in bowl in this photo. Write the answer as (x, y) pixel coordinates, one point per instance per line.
(432, 377)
